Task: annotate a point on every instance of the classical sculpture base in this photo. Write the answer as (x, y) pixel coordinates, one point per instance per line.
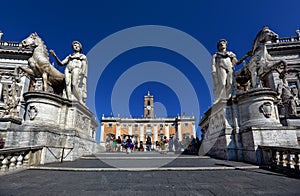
(222, 138)
(252, 137)
(65, 128)
(256, 108)
(236, 127)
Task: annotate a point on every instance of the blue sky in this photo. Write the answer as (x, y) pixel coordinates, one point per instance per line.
(116, 89)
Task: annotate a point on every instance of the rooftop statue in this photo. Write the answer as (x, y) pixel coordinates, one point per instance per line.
(260, 62)
(39, 64)
(75, 72)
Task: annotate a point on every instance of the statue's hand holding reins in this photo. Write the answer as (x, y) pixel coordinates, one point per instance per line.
(52, 52)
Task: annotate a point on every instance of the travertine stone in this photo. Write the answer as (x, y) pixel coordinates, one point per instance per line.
(256, 107)
(265, 136)
(63, 127)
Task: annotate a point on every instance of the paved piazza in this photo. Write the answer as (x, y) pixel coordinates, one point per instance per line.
(137, 175)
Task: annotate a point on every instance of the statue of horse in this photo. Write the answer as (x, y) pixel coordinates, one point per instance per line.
(40, 66)
(261, 61)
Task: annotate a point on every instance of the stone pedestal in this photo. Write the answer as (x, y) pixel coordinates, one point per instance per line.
(64, 127)
(252, 137)
(222, 138)
(260, 124)
(256, 108)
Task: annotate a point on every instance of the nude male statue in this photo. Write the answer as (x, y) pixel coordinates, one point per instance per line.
(75, 72)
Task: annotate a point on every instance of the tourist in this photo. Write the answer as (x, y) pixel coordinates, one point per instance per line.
(193, 144)
(148, 143)
(114, 144)
(129, 142)
(136, 145)
(171, 142)
(119, 143)
(141, 146)
(166, 144)
(157, 146)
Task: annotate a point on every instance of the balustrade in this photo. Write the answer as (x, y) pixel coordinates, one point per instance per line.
(16, 158)
(10, 44)
(282, 158)
(288, 39)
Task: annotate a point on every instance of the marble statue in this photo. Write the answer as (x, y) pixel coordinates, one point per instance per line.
(1, 34)
(298, 33)
(11, 97)
(39, 64)
(223, 63)
(261, 61)
(288, 96)
(75, 72)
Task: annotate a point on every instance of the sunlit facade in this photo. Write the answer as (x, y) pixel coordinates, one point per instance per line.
(140, 128)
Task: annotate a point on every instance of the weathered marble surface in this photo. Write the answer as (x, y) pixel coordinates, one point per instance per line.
(57, 123)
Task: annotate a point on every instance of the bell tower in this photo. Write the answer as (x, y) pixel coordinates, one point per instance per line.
(148, 106)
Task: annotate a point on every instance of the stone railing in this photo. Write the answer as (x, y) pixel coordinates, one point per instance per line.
(10, 44)
(281, 158)
(16, 158)
(287, 39)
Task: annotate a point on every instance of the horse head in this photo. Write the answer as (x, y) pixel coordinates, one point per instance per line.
(264, 36)
(32, 41)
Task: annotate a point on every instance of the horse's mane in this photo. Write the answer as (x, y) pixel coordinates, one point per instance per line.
(257, 40)
(42, 44)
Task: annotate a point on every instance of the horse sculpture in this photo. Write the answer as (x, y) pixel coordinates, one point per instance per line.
(261, 61)
(39, 64)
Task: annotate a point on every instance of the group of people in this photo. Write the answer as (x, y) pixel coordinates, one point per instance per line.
(129, 144)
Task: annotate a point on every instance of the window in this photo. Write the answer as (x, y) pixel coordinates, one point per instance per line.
(186, 124)
(109, 125)
(148, 130)
(124, 126)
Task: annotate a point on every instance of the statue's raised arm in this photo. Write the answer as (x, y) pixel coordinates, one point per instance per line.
(223, 63)
(75, 73)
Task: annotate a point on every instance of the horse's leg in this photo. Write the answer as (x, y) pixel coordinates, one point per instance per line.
(254, 77)
(26, 70)
(45, 81)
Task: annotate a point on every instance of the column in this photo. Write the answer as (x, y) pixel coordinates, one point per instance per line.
(142, 133)
(179, 132)
(102, 133)
(194, 129)
(118, 129)
(155, 133)
(129, 129)
(167, 131)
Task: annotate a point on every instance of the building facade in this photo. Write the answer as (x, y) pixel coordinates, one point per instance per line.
(12, 87)
(140, 128)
